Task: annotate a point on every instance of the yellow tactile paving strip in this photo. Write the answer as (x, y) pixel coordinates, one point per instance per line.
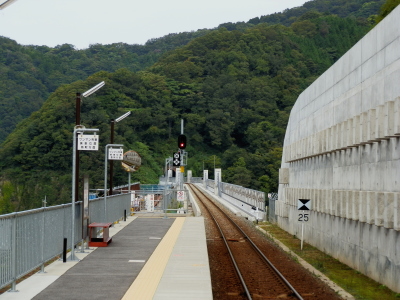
(146, 283)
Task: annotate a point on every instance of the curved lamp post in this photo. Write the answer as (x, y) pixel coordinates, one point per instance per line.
(75, 163)
(78, 123)
(6, 3)
(112, 142)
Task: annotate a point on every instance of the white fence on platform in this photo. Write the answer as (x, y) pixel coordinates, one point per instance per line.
(29, 239)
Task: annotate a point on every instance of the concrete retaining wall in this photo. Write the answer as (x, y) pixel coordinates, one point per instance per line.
(342, 151)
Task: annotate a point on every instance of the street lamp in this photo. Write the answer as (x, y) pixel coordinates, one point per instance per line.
(93, 89)
(6, 3)
(112, 142)
(75, 163)
(78, 123)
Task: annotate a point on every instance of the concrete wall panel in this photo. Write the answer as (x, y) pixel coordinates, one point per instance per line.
(396, 218)
(341, 150)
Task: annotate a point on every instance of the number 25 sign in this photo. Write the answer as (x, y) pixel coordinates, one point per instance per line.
(303, 205)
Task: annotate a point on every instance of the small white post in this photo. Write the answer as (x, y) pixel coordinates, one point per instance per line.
(302, 234)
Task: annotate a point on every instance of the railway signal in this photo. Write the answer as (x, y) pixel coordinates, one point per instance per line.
(176, 160)
(182, 141)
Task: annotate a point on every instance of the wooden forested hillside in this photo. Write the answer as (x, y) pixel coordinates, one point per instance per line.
(28, 74)
(234, 89)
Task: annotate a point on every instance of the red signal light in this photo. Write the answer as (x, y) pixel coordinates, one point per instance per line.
(182, 141)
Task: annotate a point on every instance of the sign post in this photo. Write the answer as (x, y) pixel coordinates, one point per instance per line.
(303, 205)
(131, 162)
(85, 142)
(110, 154)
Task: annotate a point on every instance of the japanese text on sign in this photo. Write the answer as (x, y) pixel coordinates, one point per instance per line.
(88, 142)
(115, 153)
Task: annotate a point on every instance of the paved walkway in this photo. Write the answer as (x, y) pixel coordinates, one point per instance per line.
(149, 258)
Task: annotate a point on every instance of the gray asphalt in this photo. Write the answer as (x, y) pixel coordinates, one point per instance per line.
(107, 273)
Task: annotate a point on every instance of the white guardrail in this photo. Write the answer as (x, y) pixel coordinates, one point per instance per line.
(250, 202)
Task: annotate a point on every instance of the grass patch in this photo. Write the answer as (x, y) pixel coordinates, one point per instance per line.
(355, 283)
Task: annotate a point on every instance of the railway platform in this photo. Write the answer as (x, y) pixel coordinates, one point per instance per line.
(149, 258)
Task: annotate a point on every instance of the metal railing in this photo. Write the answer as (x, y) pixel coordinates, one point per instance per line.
(272, 198)
(29, 239)
(249, 196)
(158, 199)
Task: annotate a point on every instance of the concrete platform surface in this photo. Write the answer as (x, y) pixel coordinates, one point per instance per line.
(172, 252)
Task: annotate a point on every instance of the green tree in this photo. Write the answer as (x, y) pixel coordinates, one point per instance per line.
(6, 195)
(304, 28)
(238, 174)
(386, 9)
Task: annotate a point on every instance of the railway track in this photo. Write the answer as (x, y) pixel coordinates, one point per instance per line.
(250, 274)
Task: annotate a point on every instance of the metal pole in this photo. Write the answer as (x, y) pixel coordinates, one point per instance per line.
(14, 254)
(75, 179)
(168, 166)
(74, 188)
(129, 182)
(105, 184)
(43, 228)
(65, 250)
(77, 123)
(105, 177)
(166, 171)
(111, 161)
(84, 204)
(302, 232)
(165, 204)
(181, 126)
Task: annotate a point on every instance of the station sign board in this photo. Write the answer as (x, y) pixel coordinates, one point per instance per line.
(115, 153)
(88, 142)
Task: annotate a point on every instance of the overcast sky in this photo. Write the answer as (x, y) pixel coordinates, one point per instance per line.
(85, 22)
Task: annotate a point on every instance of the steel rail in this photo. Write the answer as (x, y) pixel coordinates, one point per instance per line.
(227, 247)
(281, 277)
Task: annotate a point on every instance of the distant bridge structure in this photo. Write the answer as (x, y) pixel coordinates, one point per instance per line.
(342, 151)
